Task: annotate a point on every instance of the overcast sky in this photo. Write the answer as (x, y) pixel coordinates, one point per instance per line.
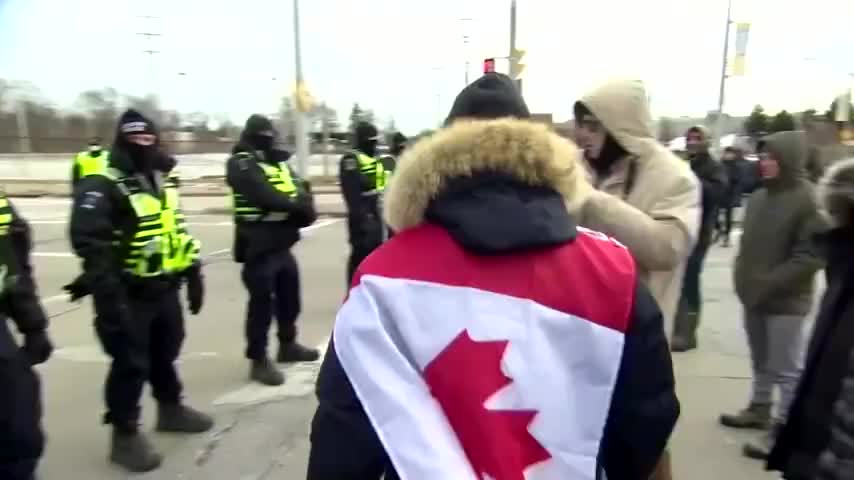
(405, 59)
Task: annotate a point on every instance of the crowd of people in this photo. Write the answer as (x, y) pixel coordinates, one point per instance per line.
(514, 297)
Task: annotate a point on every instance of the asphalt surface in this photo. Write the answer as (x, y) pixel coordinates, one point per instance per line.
(262, 433)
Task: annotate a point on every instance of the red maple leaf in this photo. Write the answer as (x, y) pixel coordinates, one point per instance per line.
(497, 442)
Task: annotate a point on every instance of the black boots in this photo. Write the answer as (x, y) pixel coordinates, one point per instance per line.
(294, 352)
(265, 372)
(177, 418)
(133, 451)
(685, 331)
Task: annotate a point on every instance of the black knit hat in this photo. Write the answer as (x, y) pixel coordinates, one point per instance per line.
(132, 122)
(493, 95)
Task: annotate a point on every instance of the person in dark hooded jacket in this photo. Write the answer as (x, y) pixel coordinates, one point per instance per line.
(774, 276)
(363, 179)
(814, 425)
(488, 203)
(713, 182)
(271, 204)
(128, 230)
(21, 436)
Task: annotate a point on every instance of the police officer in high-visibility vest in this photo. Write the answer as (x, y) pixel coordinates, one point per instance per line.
(93, 160)
(271, 204)
(363, 179)
(21, 436)
(129, 231)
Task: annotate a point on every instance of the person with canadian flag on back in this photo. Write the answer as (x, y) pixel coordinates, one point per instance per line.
(493, 337)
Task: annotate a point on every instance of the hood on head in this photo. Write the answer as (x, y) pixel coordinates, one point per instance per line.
(790, 150)
(496, 185)
(623, 109)
(836, 193)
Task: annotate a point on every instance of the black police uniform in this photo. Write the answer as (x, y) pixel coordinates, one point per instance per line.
(271, 205)
(135, 278)
(21, 436)
(359, 186)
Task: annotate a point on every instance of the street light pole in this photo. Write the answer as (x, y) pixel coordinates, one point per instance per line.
(720, 120)
(512, 31)
(300, 133)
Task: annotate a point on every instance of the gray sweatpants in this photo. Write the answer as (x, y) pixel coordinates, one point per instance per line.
(776, 352)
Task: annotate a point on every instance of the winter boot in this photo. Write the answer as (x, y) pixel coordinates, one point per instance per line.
(134, 452)
(756, 416)
(759, 448)
(294, 352)
(178, 418)
(263, 371)
(687, 338)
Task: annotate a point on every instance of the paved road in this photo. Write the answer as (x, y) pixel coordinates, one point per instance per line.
(58, 167)
(261, 432)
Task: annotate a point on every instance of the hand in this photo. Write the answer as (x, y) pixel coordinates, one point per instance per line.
(195, 289)
(37, 347)
(77, 289)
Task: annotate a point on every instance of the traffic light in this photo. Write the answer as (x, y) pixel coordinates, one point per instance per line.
(516, 65)
(302, 98)
(489, 65)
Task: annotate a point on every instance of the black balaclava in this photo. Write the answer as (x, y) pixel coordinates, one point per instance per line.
(611, 151)
(366, 138)
(95, 148)
(398, 144)
(145, 158)
(259, 134)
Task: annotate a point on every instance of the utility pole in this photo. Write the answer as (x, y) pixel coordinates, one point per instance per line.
(512, 32)
(22, 116)
(719, 127)
(466, 37)
(301, 140)
(515, 55)
(149, 36)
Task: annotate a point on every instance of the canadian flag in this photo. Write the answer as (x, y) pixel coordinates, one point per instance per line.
(498, 367)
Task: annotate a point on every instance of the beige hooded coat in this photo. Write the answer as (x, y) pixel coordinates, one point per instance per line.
(659, 217)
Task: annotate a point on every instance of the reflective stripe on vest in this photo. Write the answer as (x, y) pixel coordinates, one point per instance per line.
(373, 168)
(279, 176)
(90, 165)
(8, 264)
(160, 244)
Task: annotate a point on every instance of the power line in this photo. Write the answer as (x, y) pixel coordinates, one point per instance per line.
(150, 51)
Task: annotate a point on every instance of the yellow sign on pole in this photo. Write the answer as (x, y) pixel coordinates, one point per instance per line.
(742, 32)
(302, 98)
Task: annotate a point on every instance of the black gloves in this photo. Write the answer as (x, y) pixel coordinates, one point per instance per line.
(195, 288)
(78, 289)
(37, 347)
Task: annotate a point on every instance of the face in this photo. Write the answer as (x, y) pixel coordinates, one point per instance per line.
(769, 167)
(694, 142)
(144, 139)
(591, 135)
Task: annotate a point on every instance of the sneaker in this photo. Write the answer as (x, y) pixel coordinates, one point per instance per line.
(756, 416)
(179, 418)
(294, 352)
(760, 448)
(265, 372)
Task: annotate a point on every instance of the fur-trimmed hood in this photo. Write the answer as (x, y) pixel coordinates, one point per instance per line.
(490, 167)
(836, 193)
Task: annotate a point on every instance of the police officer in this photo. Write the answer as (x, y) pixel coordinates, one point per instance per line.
(21, 437)
(93, 160)
(363, 179)
(271, 204)
(128, 229)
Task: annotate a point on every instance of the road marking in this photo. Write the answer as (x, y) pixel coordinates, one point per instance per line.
(299, 382)
(320, 224)
(94, 354)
